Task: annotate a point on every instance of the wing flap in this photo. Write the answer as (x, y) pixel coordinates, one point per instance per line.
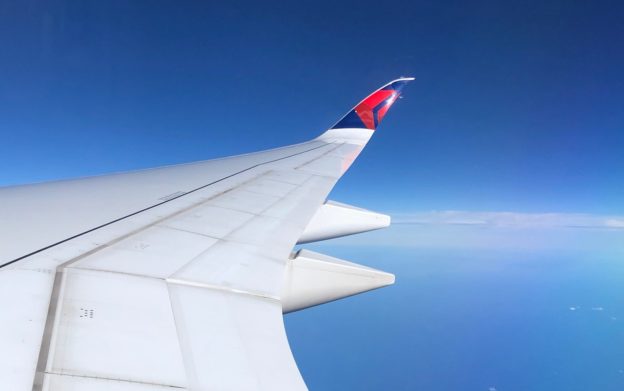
(79, 383)
(115, 326)
(239, 344)
(24, 300)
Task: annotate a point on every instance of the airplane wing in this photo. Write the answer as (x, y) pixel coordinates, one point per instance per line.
(177, 278)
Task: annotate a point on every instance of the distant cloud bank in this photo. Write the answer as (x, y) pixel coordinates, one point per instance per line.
(451, 229)
(511, 219)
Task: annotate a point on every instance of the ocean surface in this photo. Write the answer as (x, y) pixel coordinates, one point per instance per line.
(471, 318)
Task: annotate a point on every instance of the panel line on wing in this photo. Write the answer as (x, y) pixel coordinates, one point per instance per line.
(44, 350)
(221, 288)
(179, 282)
(168, 386)
(335, 147)
(183, 342)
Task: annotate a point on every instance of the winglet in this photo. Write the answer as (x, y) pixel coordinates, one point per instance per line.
(369, 112)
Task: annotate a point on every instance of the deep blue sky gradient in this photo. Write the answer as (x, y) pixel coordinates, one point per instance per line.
(516, 106)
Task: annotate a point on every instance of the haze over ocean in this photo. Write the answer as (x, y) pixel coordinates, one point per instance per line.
(471, 310)
(502, 165)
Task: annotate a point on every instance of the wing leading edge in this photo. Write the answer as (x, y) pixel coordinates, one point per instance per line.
(171, 277)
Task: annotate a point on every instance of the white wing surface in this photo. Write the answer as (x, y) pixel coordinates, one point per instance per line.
(175, 277)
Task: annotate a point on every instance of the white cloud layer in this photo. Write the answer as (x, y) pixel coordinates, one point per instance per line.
(511, 219)
(569, 232)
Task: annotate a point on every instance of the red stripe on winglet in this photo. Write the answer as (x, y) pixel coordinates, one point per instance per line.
(384, 109)
(365, 109)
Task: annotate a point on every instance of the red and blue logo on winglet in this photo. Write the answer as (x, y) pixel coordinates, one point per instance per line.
(369, 113)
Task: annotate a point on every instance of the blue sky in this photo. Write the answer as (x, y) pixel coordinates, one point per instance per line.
(516, 108)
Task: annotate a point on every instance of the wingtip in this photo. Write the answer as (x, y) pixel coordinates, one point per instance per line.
(401, 81)
(369, 112)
